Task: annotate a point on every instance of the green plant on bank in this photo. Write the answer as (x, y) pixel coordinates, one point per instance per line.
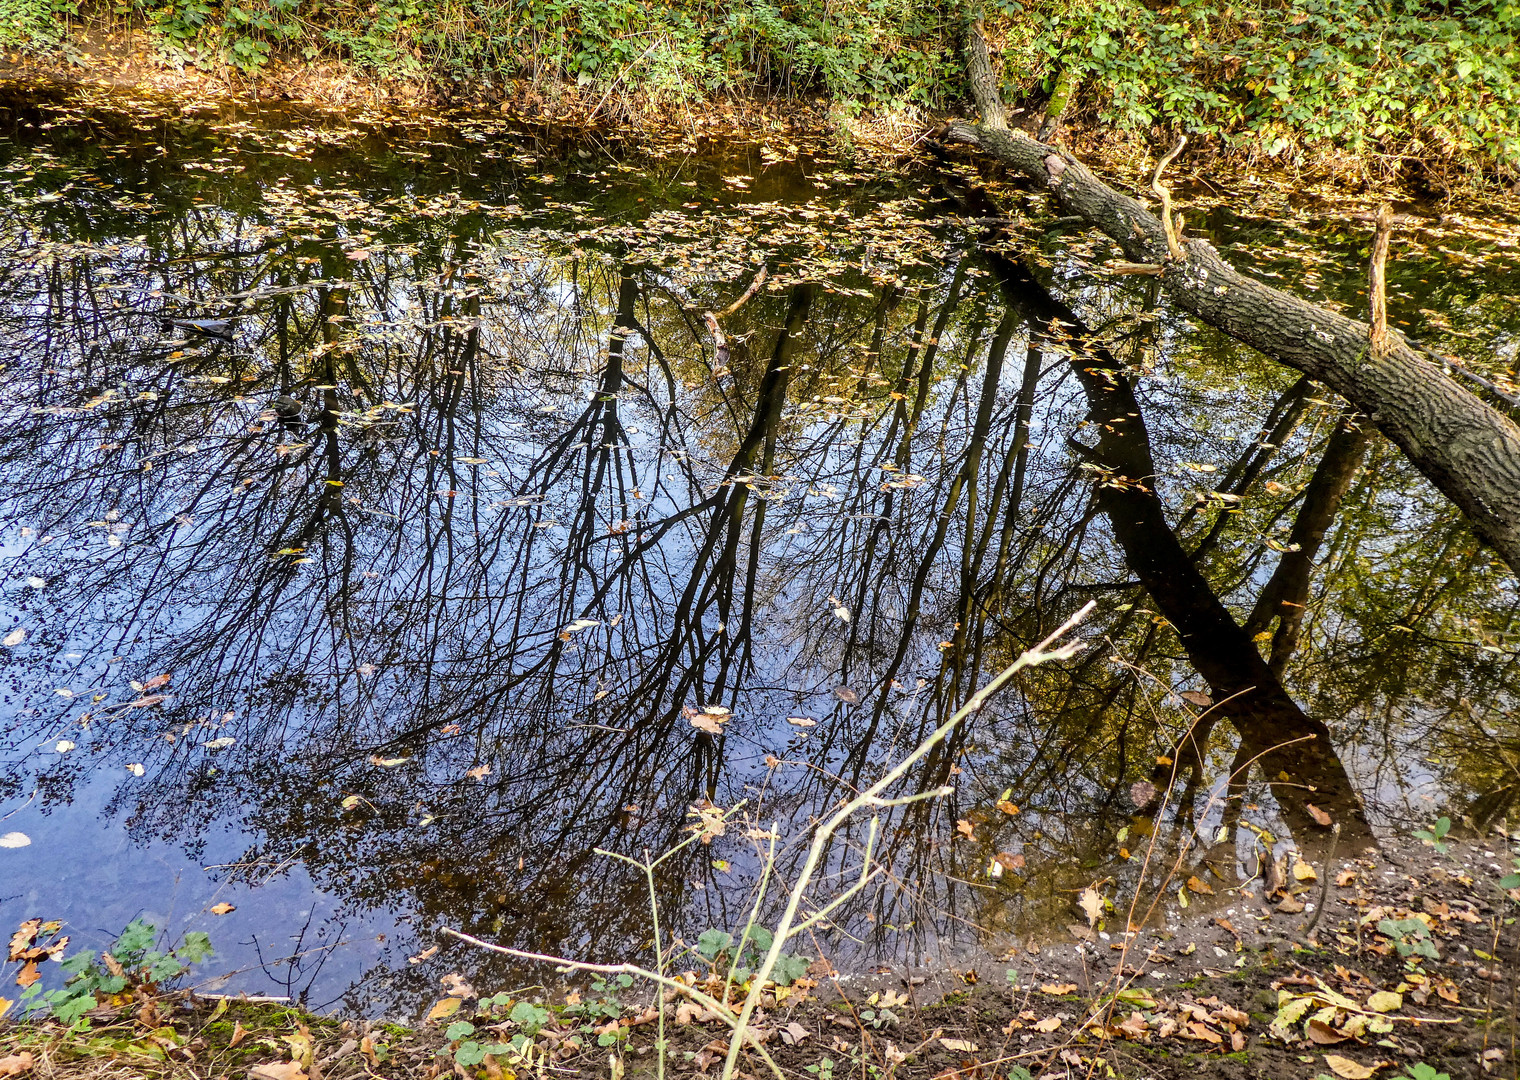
(1436, 835)
(719, 950)
(133, 962)
(1401, 78)
(1512, 879)
(604, 1005)
(36, 25)
(824, 1070)
(792, 923)
(468, 1045)
(1411, 937)
(1421, 1071)
(1398, 75)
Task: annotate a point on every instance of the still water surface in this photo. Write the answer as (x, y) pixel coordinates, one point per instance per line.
(380, 509)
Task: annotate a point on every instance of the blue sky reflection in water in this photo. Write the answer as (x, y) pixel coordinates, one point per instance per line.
(379, 508)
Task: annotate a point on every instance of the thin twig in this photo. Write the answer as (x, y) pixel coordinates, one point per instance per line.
(788, 926)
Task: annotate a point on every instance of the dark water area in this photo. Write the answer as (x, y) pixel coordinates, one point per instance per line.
(385, 530)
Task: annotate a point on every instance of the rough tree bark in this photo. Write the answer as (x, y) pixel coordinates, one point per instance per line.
(1467, 449)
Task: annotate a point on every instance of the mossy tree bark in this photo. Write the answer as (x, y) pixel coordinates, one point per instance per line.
(1466, 448)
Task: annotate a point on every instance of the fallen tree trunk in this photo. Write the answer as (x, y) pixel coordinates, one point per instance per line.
(1466, 448)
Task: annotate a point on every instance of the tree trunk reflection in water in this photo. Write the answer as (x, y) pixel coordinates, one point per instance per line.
(1292, 750)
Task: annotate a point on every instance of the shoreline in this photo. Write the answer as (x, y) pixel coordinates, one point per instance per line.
(127, 62)
(1239, 993)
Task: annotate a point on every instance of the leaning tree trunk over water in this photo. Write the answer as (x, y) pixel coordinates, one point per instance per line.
(1467, 449)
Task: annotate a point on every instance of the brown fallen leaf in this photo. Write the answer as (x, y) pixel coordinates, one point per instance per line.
(16, 1064)
(444, 1009)
(794, 1033)
(239, 1033)
(1058, 989)
(1231, 1015)
(1196, 698)
(1131, 1027)
(1007, 807)
(1237, 1041)
(157, 681)
(1091, 904)
(1347, 1069)
(1302, 871)
(28, 974)
(1142, 792)
(423, 955)
(479, 772)
(277, 1070)
(960, 1046)
(1046, 1026)
(1290, 905)
(965, 828)
(223, 908)
(1202, 1032)
(1325, 1035)
(1198, 885)
(1321, 818)
(1009, 861)
(1344, 878)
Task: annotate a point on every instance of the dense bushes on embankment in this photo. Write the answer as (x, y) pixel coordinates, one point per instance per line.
(1416, 79)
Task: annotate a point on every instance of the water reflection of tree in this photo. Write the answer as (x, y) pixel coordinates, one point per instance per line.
(523, 524)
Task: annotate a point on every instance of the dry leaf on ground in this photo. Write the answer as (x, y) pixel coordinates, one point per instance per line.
(1347, 1069)
(277, 1070)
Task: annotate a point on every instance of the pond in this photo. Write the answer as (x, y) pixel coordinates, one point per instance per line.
(397, 513)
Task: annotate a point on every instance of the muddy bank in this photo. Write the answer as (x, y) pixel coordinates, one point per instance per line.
(1409, 972)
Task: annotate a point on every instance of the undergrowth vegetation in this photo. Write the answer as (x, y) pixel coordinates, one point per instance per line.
(1422, 79)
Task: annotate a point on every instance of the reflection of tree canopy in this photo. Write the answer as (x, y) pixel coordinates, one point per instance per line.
(525, 517)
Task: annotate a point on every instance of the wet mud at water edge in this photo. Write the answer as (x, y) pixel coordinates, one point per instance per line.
(387, 527)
